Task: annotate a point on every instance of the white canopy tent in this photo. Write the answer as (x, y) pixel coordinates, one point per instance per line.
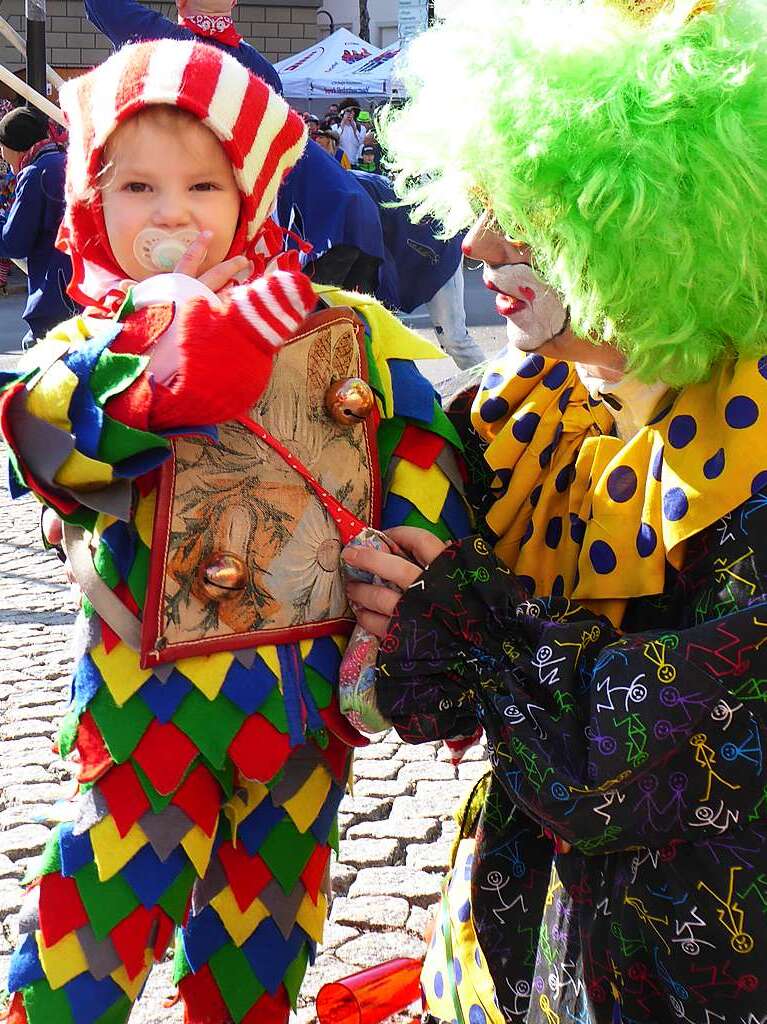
(325, 71)
(382, 68)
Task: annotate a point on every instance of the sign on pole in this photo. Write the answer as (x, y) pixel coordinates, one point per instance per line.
(36, 69)
(413, 18)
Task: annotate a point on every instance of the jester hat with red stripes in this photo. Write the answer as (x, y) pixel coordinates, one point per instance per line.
(262, 137)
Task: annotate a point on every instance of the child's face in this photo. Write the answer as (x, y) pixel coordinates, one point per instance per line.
(171, 175)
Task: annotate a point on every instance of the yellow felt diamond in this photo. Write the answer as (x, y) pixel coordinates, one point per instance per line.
(248, 797)
(312, 916)
(207, 672)
(198, 847)
(81, 473)
(425, 488)
(132, 988)
(304, 806)
(143, 519)
(239, 924)
(111, 851)
(269, 654)
(49, 399)
(120, 670)
(62, 961)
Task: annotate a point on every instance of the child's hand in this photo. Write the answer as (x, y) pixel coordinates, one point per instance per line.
(376, 604)
(218, 277)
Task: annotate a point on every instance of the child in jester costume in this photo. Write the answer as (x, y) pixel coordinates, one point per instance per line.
(608, 627)
(207, 477)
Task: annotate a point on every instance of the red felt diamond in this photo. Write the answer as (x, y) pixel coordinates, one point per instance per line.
(16, 1012)
(200, 799)
(259, 750)
(164, 754)
(95, 759)
(246, 875)
(125, 798)
(420, 447)
(165, 928)
(109, 638)
(61, 909)
(131, 939)
(269, 1008)
(341, 727)
(314, 872)
(202, 1000)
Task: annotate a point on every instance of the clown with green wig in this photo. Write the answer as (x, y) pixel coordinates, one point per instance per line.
(607, 625)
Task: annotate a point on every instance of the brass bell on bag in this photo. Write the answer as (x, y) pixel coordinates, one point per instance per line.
(224, 576)
(349, 401)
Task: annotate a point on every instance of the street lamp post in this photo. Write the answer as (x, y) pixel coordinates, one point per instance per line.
(35, 14)
(332, 26)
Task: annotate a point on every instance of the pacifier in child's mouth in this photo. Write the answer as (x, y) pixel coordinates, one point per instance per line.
(158, 249)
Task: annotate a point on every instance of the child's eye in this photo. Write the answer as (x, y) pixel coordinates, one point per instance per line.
(204, 186)
(136, 186)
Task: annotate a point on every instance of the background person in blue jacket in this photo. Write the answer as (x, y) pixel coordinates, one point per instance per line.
(28, 228)
(319, 201)
(420, 268)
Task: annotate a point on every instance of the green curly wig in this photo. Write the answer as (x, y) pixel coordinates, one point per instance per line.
(631, 154)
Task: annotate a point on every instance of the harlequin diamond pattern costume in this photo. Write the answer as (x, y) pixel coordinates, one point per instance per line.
(212, 756)
(608, 627)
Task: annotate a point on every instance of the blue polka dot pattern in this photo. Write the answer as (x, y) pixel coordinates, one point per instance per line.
(681, 430)
(477, 957)
(535, 495)
(713, 467)
(493, 380)
(647, 540)
(656, 467)
(741, 411)
(477, 1015)
(493, 409)
(524, 428)
(622, 484)
(556, 376)
(675, 504)
(558, 586)
(565, 477)
(602, 557)
(531, 366)
(464, 912)
(762, 366)
(564, 399)
(577, 528)
(527, 534)
(500, 483)
(527, 582)
(545, 457)
(457, 970)
(554, 532)
(439, 984)
(759, 483)
(661, 415)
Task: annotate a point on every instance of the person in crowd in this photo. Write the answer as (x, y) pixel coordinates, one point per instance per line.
(329, 138)
(30, 223)
(312, 125)
(607, 624)
(352, 133)
(420, 267)
(318, 203)
(211, 752)
(367, 161)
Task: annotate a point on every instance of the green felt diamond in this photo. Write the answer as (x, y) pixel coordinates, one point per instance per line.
(159, 801)
(388, 437)
(113, 373)
(295, 975)
(139, 574)
(273, 709)
(286, 852)
(440, 424)
(105, 566)
(118, 1013)
(416, 518)
(68, 733)
(175, 899)
(239, 986)
(118, 442)
(107, 903)
(121, 727)
(210, 725)
(43, 1004)
(50, 859)
(319, 687)
(181, 966)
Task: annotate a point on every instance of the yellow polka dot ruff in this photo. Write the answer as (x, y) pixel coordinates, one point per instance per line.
(580, 512)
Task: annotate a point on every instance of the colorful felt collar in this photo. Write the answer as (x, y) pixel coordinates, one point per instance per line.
(582, 513)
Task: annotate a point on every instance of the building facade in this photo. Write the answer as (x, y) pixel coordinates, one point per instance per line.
(346, 14)
(278, 29)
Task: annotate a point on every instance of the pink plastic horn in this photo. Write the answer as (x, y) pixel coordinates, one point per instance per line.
(372, 995)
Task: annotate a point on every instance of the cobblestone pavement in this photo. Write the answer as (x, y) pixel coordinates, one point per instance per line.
(396, 828)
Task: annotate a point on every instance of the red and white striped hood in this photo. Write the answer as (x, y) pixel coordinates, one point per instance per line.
(259, 132)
